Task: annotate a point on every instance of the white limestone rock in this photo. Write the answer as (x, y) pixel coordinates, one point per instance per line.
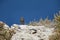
(25, 32)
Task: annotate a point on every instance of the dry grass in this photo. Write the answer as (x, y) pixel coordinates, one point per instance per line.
(55, 36)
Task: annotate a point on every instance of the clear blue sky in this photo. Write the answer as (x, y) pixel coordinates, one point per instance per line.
(12, 10)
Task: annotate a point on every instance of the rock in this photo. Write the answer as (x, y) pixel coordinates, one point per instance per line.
(32, 33)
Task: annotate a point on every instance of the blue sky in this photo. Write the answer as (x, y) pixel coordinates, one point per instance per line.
(12, 10)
